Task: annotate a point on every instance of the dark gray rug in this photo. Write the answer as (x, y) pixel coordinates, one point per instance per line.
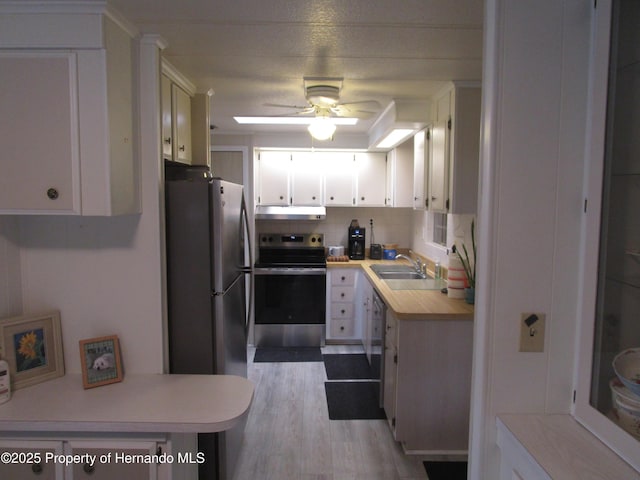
(354, 400)
(287, 354)
(446, 470)
(348, 366)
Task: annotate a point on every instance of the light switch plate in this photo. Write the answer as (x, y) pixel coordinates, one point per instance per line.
(532, 332)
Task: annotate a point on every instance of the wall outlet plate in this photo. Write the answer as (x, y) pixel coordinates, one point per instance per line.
(532, 325)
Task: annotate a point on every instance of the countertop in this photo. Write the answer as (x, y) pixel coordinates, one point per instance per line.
(138, 404)
(411, 304)
(563, 448)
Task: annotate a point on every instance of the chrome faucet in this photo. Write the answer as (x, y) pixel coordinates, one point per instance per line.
(417, 262)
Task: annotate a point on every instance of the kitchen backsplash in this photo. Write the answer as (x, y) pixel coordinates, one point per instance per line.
(390, 225)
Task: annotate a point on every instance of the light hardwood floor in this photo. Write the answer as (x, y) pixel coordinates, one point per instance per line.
(289, 435)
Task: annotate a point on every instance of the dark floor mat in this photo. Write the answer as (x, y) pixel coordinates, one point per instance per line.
(354, 400)
(446, 470)
(288, 354)
(348, 366)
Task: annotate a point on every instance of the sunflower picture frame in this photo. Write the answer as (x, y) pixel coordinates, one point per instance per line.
(32, 346)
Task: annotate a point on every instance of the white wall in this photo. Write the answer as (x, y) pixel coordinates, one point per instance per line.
(530, 209)
(10, 274)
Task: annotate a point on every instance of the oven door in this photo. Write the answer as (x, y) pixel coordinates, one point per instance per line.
(290, 295)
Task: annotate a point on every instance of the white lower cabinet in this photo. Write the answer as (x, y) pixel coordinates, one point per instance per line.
(343, 324)
(24, 460)
(427, 383)
(105, 458)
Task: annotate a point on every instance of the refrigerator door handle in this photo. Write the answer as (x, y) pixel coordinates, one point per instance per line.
(248, 269)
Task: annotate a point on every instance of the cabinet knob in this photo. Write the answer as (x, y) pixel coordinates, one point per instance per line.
(342, 295)
(167, 140)
(331, 198)
(313, 198)
(281, 197)
(343, 278)
(342, 329)
(181, 148)
(433, 198)
(362, 198)
(88, 468)
(342, 311)
(36, 468)
(52, 193)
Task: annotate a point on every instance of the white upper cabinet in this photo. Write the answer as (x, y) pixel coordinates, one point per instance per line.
(400, 176)
(421, 148)
(274, 170)
(455, 150)
(182, 108)
(306, 179)
(178, 97)
(371, 172)
(331, 178)
(339, 172)
(167, 118)
(69, 146)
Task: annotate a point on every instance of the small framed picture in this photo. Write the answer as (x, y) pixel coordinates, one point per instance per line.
(101, 361)
(32, 346)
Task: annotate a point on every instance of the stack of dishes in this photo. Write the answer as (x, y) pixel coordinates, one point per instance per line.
(625, 390)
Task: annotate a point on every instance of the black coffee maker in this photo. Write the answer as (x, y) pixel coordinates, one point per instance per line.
(356, 241)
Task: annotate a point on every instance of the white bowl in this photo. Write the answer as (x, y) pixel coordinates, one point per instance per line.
(628, 415)
(619, 390)
(627, 367)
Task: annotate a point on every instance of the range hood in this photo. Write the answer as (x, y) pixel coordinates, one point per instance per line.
(272, 212)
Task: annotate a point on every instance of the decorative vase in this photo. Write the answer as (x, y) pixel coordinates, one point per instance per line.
(470, 295)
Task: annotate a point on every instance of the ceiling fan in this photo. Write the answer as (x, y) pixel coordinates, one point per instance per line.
(323, 98)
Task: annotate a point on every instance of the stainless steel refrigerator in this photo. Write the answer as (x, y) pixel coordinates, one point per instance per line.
(206, 227)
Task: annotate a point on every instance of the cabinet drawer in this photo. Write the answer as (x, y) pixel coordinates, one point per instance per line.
(342, 294)
(342, 328)
(344, 277)
(342, 310)
(27, 464)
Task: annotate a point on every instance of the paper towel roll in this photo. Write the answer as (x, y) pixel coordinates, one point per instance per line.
(456, 278)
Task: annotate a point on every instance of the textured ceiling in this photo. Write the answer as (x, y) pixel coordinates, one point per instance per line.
(253, 52)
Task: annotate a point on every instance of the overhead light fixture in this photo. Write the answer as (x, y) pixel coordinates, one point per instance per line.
(322, 128)
(291, 120)
(395, 137)
(397, 122)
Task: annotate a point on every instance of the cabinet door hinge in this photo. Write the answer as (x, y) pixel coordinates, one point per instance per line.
(447, 204)
(426, 202)
(574, 396)
(395, 358)
(429, 134)
(258, 199)
(449, 124)
(393, 422)
(159, 450)
(585, 205)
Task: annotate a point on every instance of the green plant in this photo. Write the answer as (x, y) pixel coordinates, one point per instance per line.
(469, 270)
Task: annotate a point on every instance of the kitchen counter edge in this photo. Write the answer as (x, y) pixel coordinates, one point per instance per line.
(151, 403)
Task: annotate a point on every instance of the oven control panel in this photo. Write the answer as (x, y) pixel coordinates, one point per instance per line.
(290, 240)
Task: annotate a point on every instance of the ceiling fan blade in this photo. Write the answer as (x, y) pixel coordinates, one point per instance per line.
(293, 107)
(371, 104)
(342, 111)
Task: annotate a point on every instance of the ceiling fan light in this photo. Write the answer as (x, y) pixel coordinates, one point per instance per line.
(322, 128)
